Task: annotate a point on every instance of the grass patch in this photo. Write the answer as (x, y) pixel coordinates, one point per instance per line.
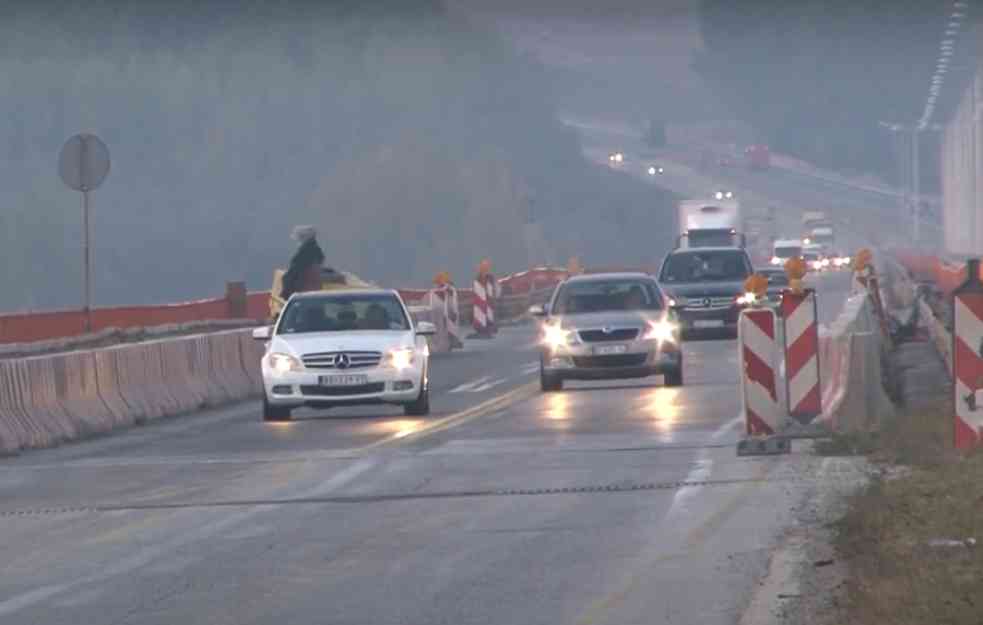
(897, 575)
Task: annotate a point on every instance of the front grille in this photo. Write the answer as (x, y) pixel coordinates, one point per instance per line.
(698, 303)
(616, 360)
(328, 360)
(342, 391)
(598, 336)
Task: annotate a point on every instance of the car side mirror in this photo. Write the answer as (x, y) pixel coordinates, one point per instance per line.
(425, 328)
(537, 311)
(263, 333)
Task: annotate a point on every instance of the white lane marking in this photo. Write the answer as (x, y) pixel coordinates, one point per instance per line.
(145, 556)
(530, 368)
(701, 472)
(469, 386)
(488, 385)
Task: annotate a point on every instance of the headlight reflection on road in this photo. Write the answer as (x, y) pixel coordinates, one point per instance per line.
(557, 407)
(399, 428)
(660, 406)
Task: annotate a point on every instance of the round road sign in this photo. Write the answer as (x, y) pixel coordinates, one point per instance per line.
(83, 162)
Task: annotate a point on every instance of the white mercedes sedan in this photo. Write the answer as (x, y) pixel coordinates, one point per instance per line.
(344, 348)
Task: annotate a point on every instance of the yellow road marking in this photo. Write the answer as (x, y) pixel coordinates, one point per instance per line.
(460, 418)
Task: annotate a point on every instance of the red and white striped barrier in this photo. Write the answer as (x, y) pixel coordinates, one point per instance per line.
(759, 351)
(802, 355)
(486, 290)
(968, 359)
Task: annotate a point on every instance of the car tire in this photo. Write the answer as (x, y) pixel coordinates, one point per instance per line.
(274, 413)
(420, 407)
(674, 377)
(549, 383)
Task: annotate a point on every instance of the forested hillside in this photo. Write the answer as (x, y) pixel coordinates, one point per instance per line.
(414, 140)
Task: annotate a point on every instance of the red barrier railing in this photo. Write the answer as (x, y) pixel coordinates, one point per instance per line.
(237, 304)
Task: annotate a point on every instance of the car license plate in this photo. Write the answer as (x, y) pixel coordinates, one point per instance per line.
(607, 350)
(343, 380)
(708, 323)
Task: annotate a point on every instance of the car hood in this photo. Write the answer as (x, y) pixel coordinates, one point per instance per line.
(367, 341)
(614, 319)
(704, 289)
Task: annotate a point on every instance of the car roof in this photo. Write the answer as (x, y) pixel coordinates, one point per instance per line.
(696, 250)
(789, 242)
(351, 291)
(615, 275)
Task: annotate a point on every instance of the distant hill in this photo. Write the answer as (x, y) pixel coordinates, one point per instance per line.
(415, 139)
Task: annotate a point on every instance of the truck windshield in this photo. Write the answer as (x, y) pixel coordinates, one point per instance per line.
(710, 238)
(707, 266)
(788, 252)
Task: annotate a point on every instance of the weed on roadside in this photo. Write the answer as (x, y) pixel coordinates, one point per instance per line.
(914, 542)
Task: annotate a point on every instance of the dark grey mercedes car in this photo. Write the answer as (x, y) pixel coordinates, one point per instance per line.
(705, 284)
(608, 326)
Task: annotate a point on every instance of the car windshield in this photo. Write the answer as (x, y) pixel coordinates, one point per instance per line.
(715, 266)
(343, 313)
(788, 252)
(607, 295)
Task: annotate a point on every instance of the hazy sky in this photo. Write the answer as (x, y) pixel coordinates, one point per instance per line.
(618, 58)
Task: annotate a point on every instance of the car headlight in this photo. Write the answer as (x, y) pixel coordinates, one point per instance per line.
(401, 358)
(746, 299)
(776, 260)
(662, 331)
(678, 300)
(825, 262)
(555, 336)
(283, 363)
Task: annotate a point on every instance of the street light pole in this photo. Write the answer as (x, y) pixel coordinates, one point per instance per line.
(910, 166)
(916, 187)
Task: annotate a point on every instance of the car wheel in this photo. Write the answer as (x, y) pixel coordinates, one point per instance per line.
(274, 413)
(674, 377)
(420, 407)
(549, 382)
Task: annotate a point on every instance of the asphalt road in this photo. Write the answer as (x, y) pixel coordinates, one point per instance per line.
(862, 217)
(606, 503)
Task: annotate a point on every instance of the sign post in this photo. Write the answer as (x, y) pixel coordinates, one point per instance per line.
(83, 164)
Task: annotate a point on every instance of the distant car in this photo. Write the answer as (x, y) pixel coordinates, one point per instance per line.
(705, 284)
(758, 156)
(813, 261)
(777, 282)
(342, 348)
(608, 326)
(839, 260)
(816, 257)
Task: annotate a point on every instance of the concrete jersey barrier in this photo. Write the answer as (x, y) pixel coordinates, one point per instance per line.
(48, 400)
(850, 350)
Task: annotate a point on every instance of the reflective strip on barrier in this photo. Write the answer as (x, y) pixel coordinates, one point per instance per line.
(968, 364)
(802, 355)
(756, 329)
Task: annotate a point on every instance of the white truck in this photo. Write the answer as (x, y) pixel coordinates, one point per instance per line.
(785, 249)
(817, 229)
(710, 223)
